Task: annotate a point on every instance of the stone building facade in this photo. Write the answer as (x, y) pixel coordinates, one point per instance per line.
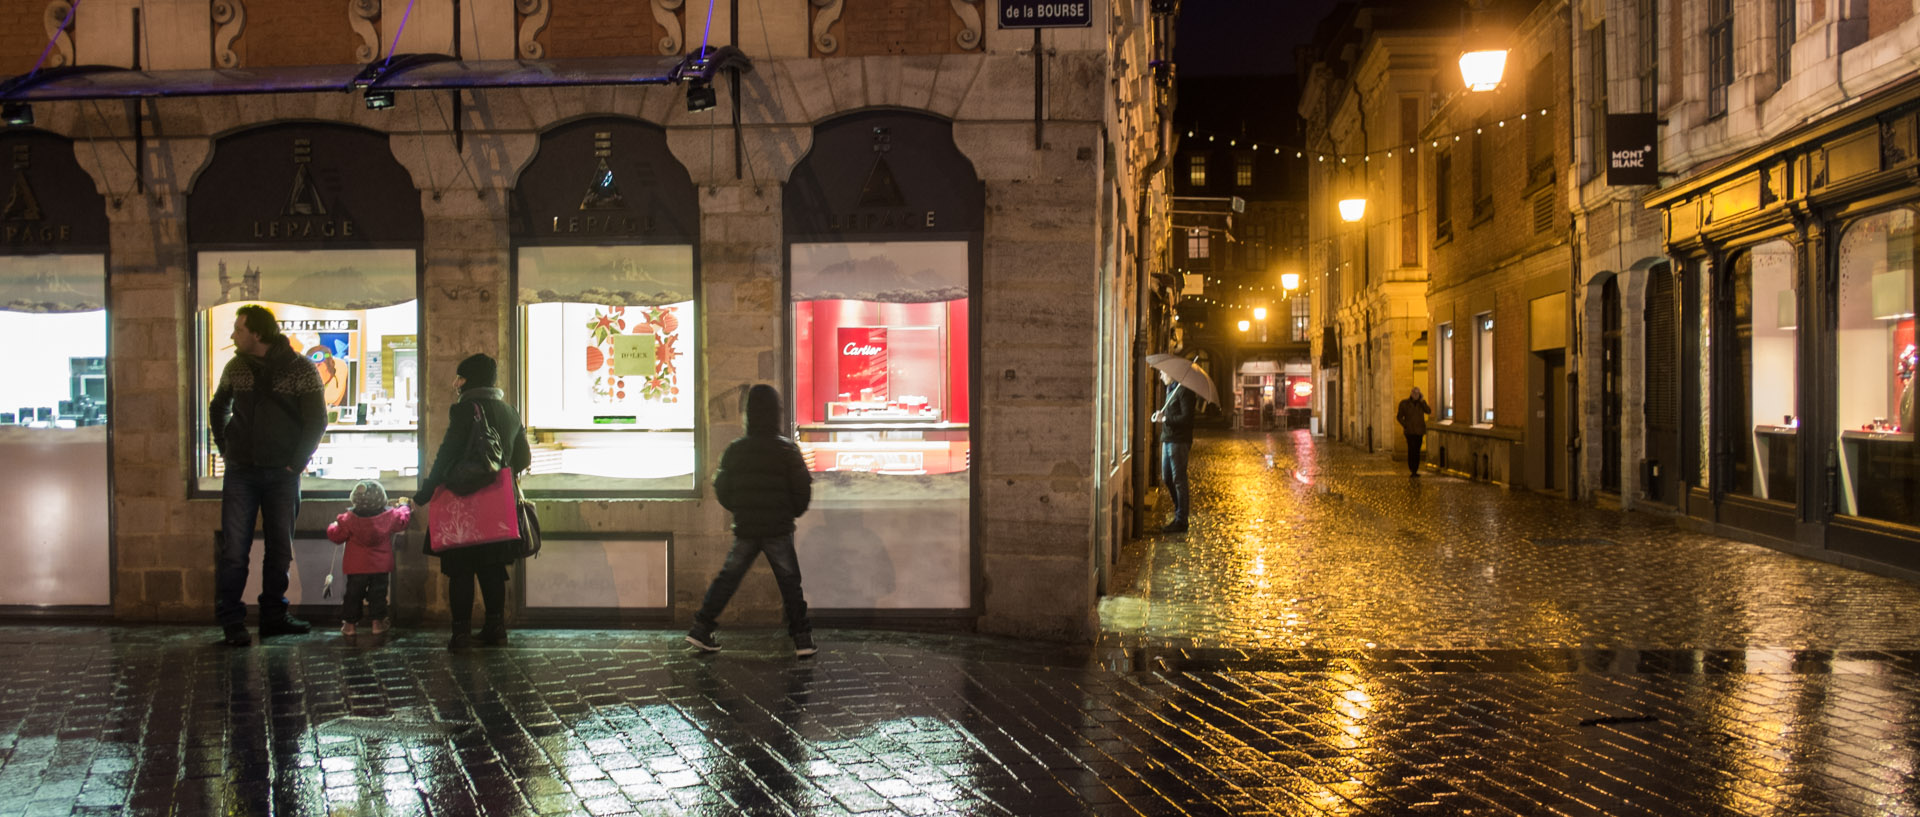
(1056, 265)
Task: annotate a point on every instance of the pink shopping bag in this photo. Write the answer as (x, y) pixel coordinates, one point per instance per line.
(490, 514)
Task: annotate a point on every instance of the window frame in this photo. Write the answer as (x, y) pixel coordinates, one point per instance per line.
(1443, 196)
(1444, 369)
(1484, 368)
(1719, 56)
(1785, 31)
(1243, 170)
(1200, 244)
(1649, 46)
(1197, 170)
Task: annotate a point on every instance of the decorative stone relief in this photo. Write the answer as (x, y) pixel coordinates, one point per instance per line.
(229, 19)
(828, 15)
(969, 37)
(56, 14)
(361, 14)
(533, 20)
(663, 13)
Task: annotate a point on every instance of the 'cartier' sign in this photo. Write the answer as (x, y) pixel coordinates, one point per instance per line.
(852, 350)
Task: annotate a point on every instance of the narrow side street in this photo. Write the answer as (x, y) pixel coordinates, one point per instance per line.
(1332, 637)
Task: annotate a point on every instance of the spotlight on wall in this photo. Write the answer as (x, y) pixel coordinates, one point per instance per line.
(379, 100)
(700, 97)
(17, 114)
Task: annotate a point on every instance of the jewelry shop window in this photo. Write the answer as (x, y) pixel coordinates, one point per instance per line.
(1766, 314)
(355, 315)
(1879, 461)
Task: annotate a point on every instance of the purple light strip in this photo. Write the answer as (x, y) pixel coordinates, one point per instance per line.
(705, 35)
(403, 27)
(63, 27)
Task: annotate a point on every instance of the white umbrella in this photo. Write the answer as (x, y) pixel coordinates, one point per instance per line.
(1183, 372)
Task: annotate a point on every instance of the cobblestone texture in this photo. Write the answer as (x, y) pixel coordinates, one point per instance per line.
(1331, 638)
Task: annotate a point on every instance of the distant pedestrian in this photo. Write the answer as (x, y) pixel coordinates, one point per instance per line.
(763, 481)
(366, 529)
(1413, 422)
(1176, 442)
(484, 563)
(266, 419)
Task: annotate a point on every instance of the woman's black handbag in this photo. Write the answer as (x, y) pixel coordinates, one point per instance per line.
(481, 461)
(529, 528)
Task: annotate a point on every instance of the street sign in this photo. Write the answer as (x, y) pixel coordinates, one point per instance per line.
(1046, 13)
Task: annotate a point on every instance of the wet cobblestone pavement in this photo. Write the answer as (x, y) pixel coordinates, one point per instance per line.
(1331, 638)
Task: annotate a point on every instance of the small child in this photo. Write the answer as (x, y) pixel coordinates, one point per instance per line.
(367, 529)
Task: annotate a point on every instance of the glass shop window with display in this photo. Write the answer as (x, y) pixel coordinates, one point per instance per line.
(355, 314)
(880, 357)
(1766, 314)
(607, 348)
(54, 305)
(1879, 461)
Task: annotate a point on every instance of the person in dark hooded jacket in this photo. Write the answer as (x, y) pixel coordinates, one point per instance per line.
(763, 481)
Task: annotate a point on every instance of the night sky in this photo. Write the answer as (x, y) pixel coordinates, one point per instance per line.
(1244, 37)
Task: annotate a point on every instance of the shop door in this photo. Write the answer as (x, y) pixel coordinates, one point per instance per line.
(1662, 387)
(1554, 431)
(1610, 386)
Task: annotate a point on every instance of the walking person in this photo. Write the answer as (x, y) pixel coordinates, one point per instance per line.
(763, 481)
(366, 530)
(485, 564)
(1176, 441)
(266, 419)
(1413, 422)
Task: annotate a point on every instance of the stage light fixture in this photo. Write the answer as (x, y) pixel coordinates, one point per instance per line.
(700, 97)
(17, 114)
(379, 100)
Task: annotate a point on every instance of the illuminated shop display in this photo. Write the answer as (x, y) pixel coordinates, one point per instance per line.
(1879, 460)
(354, 313)
(1766, 316)
(608, 349)
(880, 382)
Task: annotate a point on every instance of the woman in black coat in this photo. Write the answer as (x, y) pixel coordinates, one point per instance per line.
(486, 563)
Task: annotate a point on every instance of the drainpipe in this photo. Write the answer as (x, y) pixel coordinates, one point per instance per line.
(1143, 273)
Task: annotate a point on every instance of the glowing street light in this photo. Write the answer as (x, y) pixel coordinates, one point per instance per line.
(1289, 281)
(1481, 70)
(1245, 325)
(1351, 210)
(1259, 313)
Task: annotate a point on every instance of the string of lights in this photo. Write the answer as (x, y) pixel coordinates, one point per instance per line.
(1281, 148)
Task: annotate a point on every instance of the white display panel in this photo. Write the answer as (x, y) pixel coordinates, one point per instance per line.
(355, 315)
(627, 574)
(53, 434)
(608, 340)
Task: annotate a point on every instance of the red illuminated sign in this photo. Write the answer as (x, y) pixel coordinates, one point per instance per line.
(863, 362)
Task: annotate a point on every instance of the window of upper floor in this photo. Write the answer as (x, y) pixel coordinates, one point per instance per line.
(1197, 170)
(1243, 170)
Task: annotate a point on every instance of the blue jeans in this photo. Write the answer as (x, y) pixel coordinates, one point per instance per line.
(273, 494)
(1173, 472)
(786, 574)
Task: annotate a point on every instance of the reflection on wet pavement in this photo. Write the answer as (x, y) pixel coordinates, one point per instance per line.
(1329, 639)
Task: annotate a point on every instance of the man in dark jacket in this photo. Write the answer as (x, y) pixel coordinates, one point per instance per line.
(1176, 440)
(763, 481)
(1413, 422)
(266, 418)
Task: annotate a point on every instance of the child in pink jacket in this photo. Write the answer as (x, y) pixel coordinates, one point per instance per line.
(367, 528)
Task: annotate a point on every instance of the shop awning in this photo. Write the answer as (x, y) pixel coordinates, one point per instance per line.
(406, 72)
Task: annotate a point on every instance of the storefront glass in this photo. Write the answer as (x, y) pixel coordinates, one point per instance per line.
(1879, 461)
(355, 314)
(53, 433)
(1765, 316)
(881, 391)
(608, 338)
(1703, 329)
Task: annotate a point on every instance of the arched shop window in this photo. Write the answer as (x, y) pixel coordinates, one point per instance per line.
(1875, 370)
(606, 223)
(883, 222)
(1766, 314)
(53, 376)
(321, 225)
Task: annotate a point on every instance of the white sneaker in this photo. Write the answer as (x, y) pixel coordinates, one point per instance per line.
(346, 628)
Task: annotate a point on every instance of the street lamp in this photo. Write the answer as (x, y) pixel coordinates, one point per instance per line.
(1352, 210)
(1259, 313)
(1289, 281)
(1245, 325)
(1481, 70)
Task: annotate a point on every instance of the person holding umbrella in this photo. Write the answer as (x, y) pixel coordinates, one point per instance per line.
(1189, 385)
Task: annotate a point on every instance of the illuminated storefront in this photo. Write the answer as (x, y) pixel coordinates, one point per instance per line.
(54, 407)
(1797, 268)
(883, 228)
(274, 222)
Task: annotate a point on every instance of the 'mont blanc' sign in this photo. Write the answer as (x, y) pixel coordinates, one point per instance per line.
(1633, 155)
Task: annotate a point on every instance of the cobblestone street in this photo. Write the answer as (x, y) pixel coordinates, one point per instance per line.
(1332, 637)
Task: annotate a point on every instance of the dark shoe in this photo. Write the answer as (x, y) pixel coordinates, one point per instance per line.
(803, 645)
(1179, 526)
(462, 638)
(284, 625)
(236, 635)
(703, 640)
(494, 634)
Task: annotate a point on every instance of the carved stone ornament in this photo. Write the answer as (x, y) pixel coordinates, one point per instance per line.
(229, 19)
(969, 14)
(533, 20)
(663, 13)
(828, 15)
(56, 14)
(361, 14)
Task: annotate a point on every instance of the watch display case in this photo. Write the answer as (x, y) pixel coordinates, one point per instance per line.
(354, 315)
